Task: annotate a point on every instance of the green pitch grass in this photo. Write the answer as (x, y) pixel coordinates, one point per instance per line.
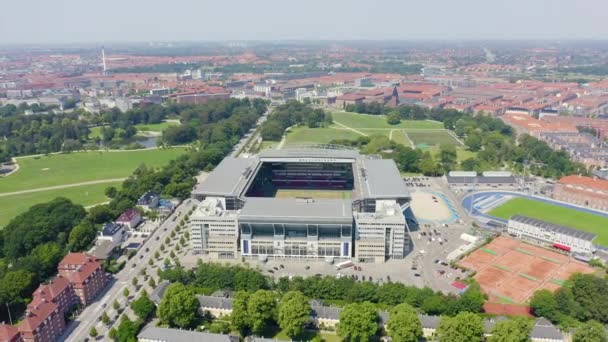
(327, 194)
(356, 120)
(11, 206)
(555, 214)
(59, 169)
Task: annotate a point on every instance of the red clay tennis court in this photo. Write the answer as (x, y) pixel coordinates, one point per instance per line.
(510, 271)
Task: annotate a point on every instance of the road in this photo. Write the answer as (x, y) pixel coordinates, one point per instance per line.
(89, 317)
(58, 187)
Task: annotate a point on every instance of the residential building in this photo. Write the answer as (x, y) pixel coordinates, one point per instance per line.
(42, 323)
(148, 201)
(113, 232)
(9, 333)
(85, 274)
(151, 333)
(58, 291)
(583, 191)
(130, 218)
(560, 237)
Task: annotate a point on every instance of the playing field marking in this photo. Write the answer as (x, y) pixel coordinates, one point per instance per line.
(503, 268)
(521, 250)
(527, 276)
(408, 138)
(455, 137)
(551, 259)
(505, 298)
(58, 187)
(489, 251)
(352, 129)
(390, 135)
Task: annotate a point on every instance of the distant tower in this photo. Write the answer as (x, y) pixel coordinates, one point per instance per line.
(103, 59)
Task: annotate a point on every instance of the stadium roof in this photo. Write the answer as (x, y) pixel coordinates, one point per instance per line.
(228, 178)
(382, 179)
(310, 152)
(579, 234)
(258, 209)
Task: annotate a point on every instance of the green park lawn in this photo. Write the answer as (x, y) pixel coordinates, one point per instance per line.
(11, 206)
(555, 214)
(59, 169)
(432, 137)
(356, 120)
(159, 127)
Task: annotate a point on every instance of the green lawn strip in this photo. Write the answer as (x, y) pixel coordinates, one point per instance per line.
(521, 250)
(527, 276)
(11, 206)
(555, 214)
(489, 251)
(305, 135)
(500, 267)
(159, 127)
(551, 259)
(504, 298)
(432, 137)
(69, 168)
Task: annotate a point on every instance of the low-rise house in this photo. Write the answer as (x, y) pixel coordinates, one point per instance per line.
(159, 291)
(545, 331)
(151, 333)
(113, 232)
(148, 201)
(130, 218)
(215, 306)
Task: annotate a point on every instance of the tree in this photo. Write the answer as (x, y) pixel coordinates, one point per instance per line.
(156, 255)
(105, 319)
(93, 332)
(294, 313)
(448, 156)
(134, 281)
(516, 329)
(16, 286)
(111, 192)
(179, 306)
(464, 327)
(115, 305)
(543, 304)
(393, 118)
(358, 322)
(591, 331)
(261, 310)
(82, 236)
(126, 292)
(404, 324)
(143, 306)
(113, 334)
(151, 283)
(127, 330)
(472, 299)
(239, 318)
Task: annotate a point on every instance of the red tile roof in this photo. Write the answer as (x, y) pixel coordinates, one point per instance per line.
(127, 216)
(34, 318)
(49, 291)
(8, 332)
(586, 182)
(86, 265)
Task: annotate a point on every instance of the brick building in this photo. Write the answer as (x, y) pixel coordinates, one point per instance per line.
(9, 333)
(58, 291)
(585, 191)
(42, 322)
(85, 274)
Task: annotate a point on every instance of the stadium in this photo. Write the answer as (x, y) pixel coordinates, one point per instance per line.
(320, 201)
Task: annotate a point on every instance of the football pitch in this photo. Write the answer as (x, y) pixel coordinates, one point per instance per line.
(305, 193)
(555, 214)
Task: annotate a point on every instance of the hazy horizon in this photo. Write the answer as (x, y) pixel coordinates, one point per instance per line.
(112, 21)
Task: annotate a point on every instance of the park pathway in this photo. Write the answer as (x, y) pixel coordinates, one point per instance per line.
(58, 187)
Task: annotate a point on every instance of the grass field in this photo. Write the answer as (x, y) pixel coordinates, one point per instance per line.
(327, 194)
(159, 127)
(11, 206)
(59, 169)
(356, 121)
(432, 137)
(305, 135)
(555, 214)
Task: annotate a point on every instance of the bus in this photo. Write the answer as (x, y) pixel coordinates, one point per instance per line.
(344, 264)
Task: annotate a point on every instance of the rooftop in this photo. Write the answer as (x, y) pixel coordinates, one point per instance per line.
(295, 210)
(110, 228)
(228, 178)
(8, 332)
(382, 179)
(554, 227)
(176, 335)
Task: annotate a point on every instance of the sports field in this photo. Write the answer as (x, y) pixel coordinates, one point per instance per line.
(510, 271)
(356, 120)
(305, 135)
(60, 169)
(304, 193)
(555, 214)
(159, 127)
(432, 137)
(11, 206)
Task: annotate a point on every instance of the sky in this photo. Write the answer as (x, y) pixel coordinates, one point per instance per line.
(106, 21)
